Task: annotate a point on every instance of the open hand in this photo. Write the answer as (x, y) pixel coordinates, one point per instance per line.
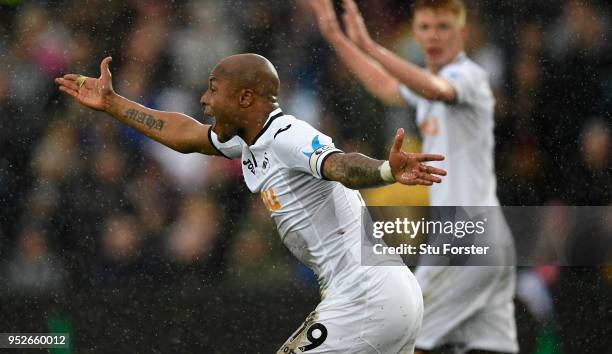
(354, 25)
(408, 168)
(326, 17)
(89, 91)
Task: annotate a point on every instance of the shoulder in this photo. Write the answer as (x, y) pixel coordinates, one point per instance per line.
(289, 130)
(470, 81)
(283, 126)
(295, 137)
(463, 68)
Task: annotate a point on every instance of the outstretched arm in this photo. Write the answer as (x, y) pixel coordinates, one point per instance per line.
(175, 130)
(358, 171)
(423, 83)
(371, 74)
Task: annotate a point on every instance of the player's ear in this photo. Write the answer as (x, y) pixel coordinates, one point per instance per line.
(246, 98)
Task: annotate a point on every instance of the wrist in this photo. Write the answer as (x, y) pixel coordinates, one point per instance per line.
(110, 102)
(385, 172)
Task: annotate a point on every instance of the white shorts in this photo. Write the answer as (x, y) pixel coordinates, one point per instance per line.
(386, 320)
(468, 307)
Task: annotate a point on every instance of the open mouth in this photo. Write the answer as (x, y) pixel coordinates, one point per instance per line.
(434, 51)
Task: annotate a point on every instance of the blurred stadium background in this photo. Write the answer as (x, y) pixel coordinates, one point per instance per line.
(134, 248)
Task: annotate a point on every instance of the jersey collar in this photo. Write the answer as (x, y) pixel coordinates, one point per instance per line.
(271, 117)
(461, 56)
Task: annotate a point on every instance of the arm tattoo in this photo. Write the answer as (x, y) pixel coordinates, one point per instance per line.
(144, 119)
(353, 170)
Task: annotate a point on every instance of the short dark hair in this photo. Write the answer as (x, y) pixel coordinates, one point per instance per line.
(457, 7)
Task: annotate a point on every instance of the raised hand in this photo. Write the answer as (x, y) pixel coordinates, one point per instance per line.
(89, 91)
(354, 25)
(326, 17)
(408, 168)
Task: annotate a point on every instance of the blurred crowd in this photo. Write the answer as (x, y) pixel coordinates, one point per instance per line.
(86, 202)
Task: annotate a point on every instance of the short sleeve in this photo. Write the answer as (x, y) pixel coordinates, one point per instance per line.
(408, 95)
(232, 149)
(304, 148)
(463, 81)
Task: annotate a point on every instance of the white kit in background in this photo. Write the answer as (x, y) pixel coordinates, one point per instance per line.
(469, 306)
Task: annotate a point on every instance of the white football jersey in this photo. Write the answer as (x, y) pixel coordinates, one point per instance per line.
(467, 306)
(318, 220)
(463, 132)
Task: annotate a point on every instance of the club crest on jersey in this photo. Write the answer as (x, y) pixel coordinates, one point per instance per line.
(266, 162)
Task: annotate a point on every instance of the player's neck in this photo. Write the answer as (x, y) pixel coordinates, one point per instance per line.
(258, 119)
(436, 67)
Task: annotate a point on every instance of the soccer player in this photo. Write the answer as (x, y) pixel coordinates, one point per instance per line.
(308, 186)
(466, 308)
